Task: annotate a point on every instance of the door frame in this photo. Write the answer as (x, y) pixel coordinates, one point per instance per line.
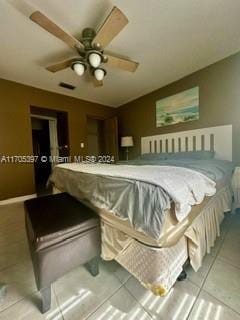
(92, 117)
(53, 135)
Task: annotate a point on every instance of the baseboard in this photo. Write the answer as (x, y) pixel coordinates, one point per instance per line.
(17, 199)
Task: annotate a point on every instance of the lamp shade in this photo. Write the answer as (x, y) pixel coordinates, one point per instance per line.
(99, 74)
(94, 59)
(127, 141)
(79, 68)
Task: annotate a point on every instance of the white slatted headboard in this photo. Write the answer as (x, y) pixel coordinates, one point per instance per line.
(218, 139)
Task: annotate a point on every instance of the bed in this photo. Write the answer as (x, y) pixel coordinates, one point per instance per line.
(149, 227)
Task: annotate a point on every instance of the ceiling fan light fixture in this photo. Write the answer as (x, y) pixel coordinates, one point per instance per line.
(99, 74)
(90, 48)
(95, 59)
(79, 68)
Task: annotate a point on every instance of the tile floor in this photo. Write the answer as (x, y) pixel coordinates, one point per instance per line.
(213, 293)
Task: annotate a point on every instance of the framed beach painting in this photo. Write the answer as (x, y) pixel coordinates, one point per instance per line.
(180, 107)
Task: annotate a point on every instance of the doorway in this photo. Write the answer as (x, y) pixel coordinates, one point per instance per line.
(50, 139)
(95, 137)
(41, 149)
(102, 137)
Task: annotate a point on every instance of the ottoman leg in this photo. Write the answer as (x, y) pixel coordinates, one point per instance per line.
(93, 266)
(46, 299)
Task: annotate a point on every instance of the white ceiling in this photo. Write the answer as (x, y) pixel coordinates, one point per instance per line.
(170, 39)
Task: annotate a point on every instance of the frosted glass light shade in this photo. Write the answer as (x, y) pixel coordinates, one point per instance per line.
(99, 74)
(79, 68)
(94, 59)
(127, 142)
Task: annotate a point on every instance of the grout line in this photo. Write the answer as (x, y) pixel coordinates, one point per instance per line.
(125, 280)
(8, 267)
(151, 316)
(57, 301)
(21, 299)
(95, 310)
(222, 259)
(197, 296)
(20, 261)
(209, 270)
(221, 302)
(11, 305)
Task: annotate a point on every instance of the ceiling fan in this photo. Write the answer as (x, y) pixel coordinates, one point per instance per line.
(90, 48)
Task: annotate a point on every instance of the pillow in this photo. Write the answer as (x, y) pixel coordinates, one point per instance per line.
(197, 155)
(153, 156)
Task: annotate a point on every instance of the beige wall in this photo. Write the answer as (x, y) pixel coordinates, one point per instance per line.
(16, 136)
(219, 86)
(219, 104)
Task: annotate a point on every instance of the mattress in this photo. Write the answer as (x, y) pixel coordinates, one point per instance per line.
(172, 229)
(142, 194)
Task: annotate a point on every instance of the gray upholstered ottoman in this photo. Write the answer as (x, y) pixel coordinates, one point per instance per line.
(63, 234)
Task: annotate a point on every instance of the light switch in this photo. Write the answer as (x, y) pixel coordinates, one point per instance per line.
(82, 145)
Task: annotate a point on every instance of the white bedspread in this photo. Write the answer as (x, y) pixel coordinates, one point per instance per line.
(184, 186)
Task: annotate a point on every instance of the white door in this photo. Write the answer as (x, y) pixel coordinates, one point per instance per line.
(54, 148)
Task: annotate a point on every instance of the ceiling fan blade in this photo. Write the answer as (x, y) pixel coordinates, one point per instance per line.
(122, 63)
(61, 65)
(55, 30)
(113, 24)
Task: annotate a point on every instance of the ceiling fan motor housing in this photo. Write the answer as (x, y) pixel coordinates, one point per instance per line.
(88, 35)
